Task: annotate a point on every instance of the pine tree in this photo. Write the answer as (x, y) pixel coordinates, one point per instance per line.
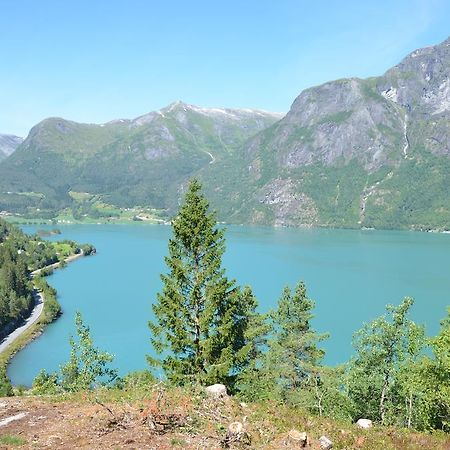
(289, 369)
(294, 344)
(201, 317)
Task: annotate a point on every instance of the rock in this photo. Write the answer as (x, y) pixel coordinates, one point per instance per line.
(297, 439)
(236, 433)
(325, 443)
(7, 420)
(216, 391)
(364, 423)
(235, 428)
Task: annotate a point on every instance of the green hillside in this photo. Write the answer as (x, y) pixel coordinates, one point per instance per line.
(349, 153)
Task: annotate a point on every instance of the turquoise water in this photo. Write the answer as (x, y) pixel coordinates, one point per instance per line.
(351, 275)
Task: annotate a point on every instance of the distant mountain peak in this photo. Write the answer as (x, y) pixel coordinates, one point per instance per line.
(8, 144)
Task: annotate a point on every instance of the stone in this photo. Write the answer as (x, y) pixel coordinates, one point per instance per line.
(235, 428)
(325, 443)
(236, 433)
(364, 423)
(216, 391)
(298, 439)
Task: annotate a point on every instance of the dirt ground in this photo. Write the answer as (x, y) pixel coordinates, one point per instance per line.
(176, 420)
(59, 425)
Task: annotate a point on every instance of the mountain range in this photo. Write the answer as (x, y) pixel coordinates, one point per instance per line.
(349, 153)
(8, 144)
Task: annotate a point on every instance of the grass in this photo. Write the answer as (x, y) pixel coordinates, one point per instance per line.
(9, 439)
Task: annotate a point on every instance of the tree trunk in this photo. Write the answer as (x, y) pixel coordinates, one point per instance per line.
(410, 406)
(319, 397)
(383, 397)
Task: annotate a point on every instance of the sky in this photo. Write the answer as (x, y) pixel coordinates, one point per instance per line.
(97, 60)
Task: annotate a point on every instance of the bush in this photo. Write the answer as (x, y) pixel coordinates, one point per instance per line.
(6, 389)
(45, 383)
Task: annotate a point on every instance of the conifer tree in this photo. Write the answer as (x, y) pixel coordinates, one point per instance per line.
(289, 369)
(293, 354)
(201, 317)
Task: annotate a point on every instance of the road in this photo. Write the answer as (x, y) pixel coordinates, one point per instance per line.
(38, 306)
(34, 316)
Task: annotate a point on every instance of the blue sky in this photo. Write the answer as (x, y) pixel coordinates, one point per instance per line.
(96, 60)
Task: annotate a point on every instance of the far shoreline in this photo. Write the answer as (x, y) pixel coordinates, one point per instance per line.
(37, 222)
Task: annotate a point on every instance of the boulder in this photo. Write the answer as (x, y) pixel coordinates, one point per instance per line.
(364, 423)
(297, 439)
(216, 391)
(325, 443)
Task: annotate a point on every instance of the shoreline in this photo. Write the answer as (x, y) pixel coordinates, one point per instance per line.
(32, 328)
(167, 222)
(57, 265)
(34, 316)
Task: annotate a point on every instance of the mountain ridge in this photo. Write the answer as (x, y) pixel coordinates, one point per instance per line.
(349, 153)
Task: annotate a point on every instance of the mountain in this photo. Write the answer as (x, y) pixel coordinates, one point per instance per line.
(350, 153)
(356, 153)
(8, 143)
(126, 162)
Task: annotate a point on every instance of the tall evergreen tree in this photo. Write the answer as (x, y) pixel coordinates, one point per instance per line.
(290, 368)
(293, 351)
(201, 317)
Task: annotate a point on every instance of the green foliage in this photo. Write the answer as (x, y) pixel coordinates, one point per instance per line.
(435, 379)
(87, 366)
(336, 118)
(380, 377)
(143, 379)
(46, 383)
(15, 289)
(290, 370)
(88, 249)
(293, 355)
(5, 385)
(52, 308)
(202, 318)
